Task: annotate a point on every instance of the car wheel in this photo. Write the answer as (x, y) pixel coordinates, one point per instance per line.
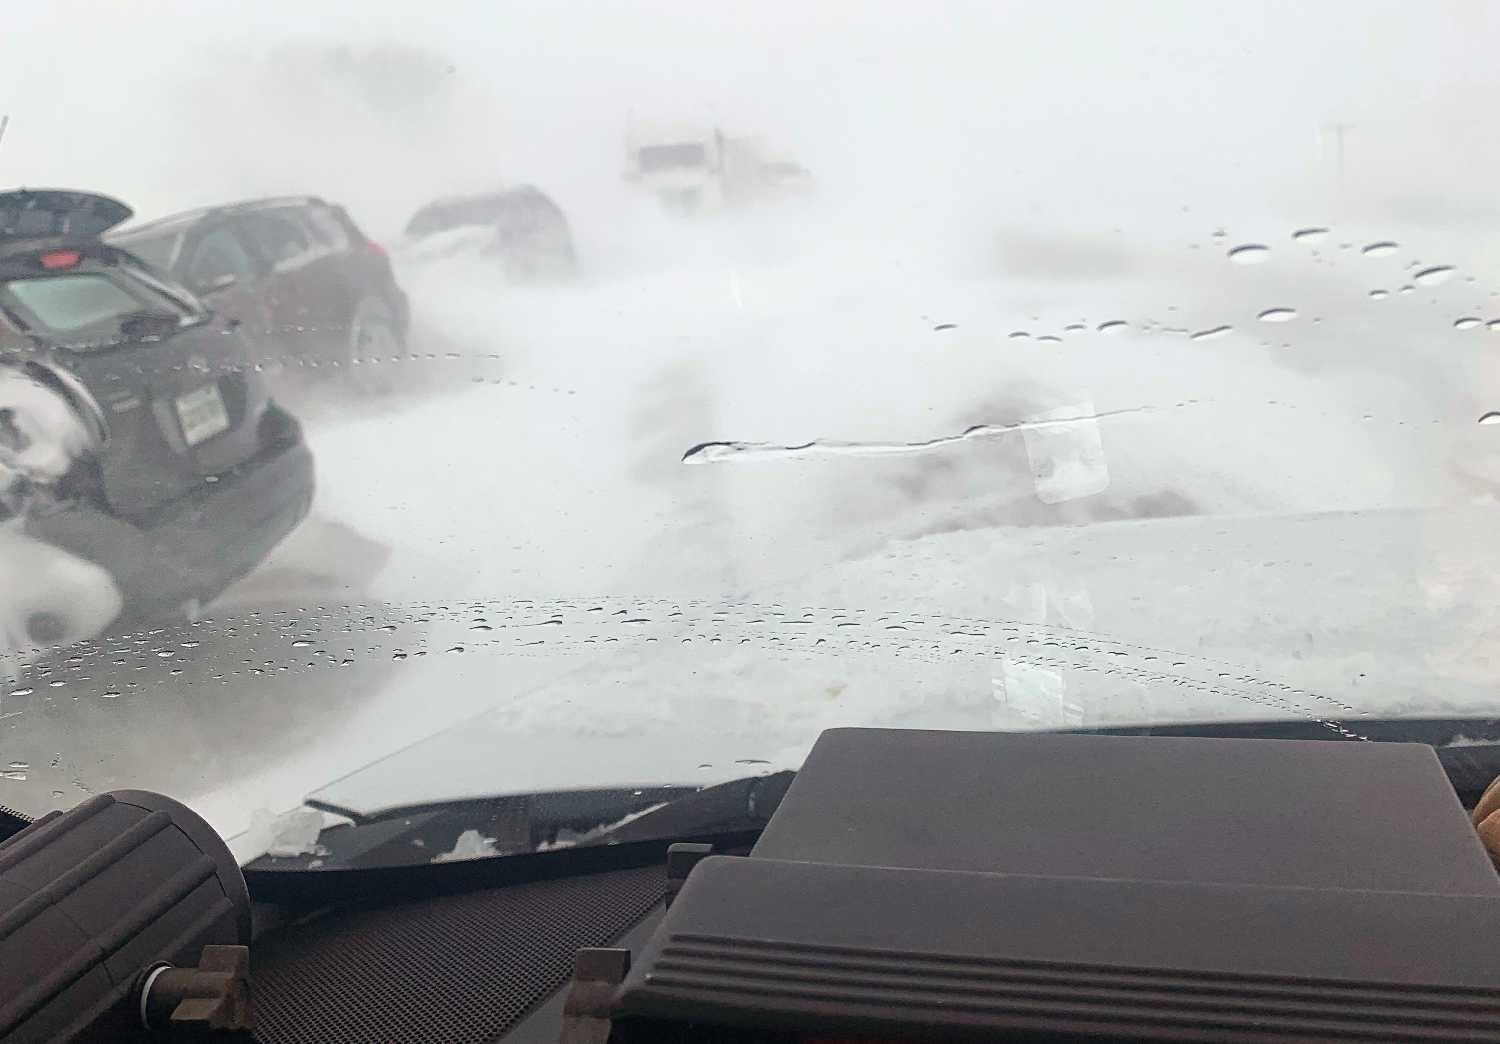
(372, 347)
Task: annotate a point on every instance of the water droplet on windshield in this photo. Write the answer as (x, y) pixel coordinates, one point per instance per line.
(1494, 324)
(398, 656)
(1406, 289)
(1074, 328)
(1468, 322)
(1277, 315)
(1384, 248)
(56, 684)
(1379, 295)
(1490, 418)
(480, 627)
(301, 643)
(1434, 276)
(1017, 335)
(1315, 234)
(1249, 254)
(21, 692)
(110, 695)
(456, 649)
(1050, 339)
(1211, 333)
(944, 326)
(1112, 325)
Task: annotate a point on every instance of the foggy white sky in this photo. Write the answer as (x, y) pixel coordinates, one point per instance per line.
(1015, 109)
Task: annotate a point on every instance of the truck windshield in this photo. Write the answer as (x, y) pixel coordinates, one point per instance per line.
(668, 157)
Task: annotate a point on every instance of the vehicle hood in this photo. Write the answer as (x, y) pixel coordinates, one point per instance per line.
(1329, 618)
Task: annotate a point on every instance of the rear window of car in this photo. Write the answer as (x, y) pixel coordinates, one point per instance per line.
(456, 213)
(82, 307)
(517, 210)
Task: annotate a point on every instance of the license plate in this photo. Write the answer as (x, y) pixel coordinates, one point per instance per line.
(202, 414)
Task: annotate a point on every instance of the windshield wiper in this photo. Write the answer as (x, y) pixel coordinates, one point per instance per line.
(518, 824)
(416, 852)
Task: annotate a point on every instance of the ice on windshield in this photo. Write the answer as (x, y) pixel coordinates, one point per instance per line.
(586, 406)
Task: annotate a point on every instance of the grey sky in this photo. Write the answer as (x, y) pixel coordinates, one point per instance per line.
(1016, 108)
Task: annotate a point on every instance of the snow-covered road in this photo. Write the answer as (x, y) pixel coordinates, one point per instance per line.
(557, 472)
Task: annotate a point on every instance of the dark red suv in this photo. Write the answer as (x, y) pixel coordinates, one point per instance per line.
(298, 273)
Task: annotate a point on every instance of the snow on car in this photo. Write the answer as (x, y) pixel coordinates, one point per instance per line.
(47, 596)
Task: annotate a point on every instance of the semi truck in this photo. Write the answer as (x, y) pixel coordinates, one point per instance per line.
(694, 168)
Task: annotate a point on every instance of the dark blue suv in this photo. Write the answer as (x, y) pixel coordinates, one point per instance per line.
(200, 473)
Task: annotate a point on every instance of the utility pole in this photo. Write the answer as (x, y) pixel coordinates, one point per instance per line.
(1338, 129)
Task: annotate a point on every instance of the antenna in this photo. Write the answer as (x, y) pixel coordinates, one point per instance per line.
(4, 122)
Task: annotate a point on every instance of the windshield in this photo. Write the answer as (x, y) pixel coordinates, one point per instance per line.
(666, 157)
(1099, 366)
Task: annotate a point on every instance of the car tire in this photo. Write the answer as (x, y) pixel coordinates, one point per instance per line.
(372, 345)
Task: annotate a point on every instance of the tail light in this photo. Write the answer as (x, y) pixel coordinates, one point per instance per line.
(376, 248)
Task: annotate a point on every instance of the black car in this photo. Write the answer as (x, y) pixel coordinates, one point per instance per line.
(522, 227)
(200, 474)
(297, 271)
